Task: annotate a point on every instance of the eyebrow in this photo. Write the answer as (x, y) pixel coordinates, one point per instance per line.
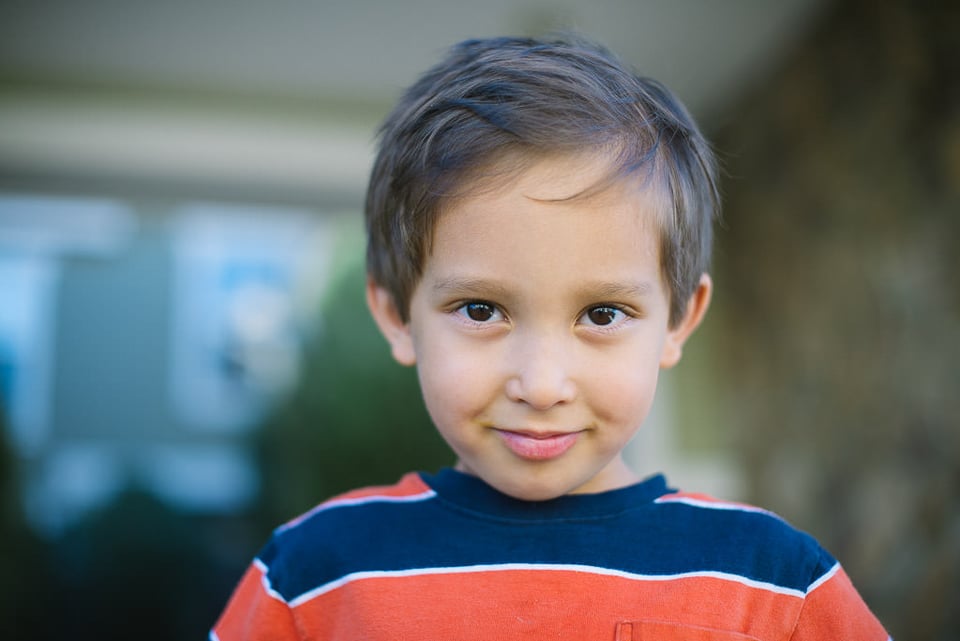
(460, 285)
(618, 289)
(597, 290)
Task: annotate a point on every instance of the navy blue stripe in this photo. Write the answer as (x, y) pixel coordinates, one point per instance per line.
(656, 539)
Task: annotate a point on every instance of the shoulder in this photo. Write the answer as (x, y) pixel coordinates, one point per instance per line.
(702, 509)
(697, 510)
(320, 542)
(355, 506)
(408, 489)
(748, 541)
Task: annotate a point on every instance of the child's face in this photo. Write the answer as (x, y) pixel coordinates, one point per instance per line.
(539, 328)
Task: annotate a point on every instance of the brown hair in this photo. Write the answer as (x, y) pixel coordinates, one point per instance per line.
(521, 99)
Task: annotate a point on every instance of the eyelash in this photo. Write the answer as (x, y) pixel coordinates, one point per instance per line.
(463, 311)
(624, 315)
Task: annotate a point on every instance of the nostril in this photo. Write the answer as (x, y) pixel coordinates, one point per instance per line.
(541, 392)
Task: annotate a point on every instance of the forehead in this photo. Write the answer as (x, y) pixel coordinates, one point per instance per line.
(563, 177)
(557, 213)
(583, 181)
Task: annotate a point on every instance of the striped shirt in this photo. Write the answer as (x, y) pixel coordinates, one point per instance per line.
(447, 557)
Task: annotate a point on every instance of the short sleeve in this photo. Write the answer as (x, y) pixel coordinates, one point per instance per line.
(833, 609)
(255, 613)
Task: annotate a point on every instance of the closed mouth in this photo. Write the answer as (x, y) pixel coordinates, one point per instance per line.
(538, 446)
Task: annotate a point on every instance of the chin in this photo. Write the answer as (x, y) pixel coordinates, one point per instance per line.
(533, 489)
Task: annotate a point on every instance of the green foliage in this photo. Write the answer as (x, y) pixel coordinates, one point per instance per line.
(134, 567)
(356, 417)
(25, 576)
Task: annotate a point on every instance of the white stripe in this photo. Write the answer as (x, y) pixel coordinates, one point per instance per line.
(826, 577)
(336, 503)
(359, 576)
(717, 505)
(213, 636)
(265, 581)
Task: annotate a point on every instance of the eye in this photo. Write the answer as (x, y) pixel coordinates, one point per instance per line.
(480, 311)
(603, 316)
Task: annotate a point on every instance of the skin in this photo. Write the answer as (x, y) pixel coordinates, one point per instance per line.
(539, 328)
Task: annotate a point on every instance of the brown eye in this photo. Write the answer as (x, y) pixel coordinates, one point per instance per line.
(602, 315)
(479, 312)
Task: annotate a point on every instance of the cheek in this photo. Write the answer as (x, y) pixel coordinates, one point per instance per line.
(454, 384)
(625, 400)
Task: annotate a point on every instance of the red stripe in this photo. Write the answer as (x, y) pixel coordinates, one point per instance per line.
(410, 485)
(538, 605)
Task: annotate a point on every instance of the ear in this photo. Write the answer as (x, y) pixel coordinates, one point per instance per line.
(678, 335)
(388, 319)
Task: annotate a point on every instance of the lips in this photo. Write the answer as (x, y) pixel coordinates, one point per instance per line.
(535, 446)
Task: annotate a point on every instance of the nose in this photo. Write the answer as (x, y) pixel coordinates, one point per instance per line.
(541, 374)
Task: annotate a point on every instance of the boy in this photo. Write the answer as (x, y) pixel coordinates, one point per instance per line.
(539, 230)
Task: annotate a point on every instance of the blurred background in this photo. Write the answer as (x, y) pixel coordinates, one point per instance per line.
(186, 361)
